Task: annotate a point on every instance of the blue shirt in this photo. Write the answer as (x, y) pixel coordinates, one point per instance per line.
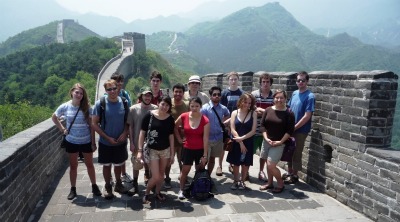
(299, 104)
(215, 127)
(80, 130)
(114, 115)
(230, 98)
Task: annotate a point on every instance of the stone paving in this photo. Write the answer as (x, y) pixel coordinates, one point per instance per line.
(299, 202)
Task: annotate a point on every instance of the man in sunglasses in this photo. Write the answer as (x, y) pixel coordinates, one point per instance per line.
(194, 90)
(109, 121)
(215, 142)
(302, 105)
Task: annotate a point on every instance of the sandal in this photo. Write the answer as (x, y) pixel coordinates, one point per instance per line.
(160, 197)
(285, 176)
(262, 177)
(146, 199)
(278, 190)
(267, 187)
(292, 179)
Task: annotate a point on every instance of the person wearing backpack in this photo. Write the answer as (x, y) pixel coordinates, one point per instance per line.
(196, 129)
(119, 78)
(111, 125)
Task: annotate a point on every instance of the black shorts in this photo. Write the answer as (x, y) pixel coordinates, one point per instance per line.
(188, 156)
(75, 148)
(112, 154)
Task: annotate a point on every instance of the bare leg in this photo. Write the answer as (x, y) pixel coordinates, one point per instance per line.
(73, 168)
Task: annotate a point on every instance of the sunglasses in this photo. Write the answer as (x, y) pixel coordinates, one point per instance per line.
(195, 83)
(301, 80)
(111, 89)
(216, 94)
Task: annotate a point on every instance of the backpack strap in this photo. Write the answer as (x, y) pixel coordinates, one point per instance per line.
(125, 102)
(102, 112)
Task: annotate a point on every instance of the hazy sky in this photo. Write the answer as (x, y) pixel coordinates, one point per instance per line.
(124, 8)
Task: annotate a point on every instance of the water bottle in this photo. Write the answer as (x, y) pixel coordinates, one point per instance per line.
(242, 157)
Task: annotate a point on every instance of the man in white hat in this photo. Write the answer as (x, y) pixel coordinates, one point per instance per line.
(194, 87)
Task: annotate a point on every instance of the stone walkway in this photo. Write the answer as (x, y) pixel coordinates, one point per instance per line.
(299, 202)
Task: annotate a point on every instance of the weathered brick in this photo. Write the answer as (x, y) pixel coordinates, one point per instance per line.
(387, 165)
(376, 196)
(382, 209)
(394, 215)
(357, 171)
(362, 181)
(391, 175)
(355, 205)
(343, 134)
(383, 190)
(368, 167)
(348, 159)
(362, 199)
(372, 213)
(383, 218)
(379, 180)
(395, 187)
(354, 187)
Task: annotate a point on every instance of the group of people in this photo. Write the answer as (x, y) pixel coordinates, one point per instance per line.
(189, 125)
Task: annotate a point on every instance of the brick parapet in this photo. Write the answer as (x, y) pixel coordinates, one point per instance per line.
(29, 162)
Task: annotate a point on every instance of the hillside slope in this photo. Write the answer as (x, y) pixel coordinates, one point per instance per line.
(44, 35)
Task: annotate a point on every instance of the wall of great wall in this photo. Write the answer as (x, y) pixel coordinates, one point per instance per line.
(347, 154)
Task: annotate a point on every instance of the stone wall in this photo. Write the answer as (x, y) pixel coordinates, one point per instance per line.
(347, 154)
(29, 161)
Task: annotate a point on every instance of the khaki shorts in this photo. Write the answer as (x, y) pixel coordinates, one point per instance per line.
(270, 153)
(160, 154)
(215, 148)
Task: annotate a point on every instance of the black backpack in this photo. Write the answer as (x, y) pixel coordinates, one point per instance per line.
(103, 110)
(200, 187)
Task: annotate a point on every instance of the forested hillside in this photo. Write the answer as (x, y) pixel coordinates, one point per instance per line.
(44, 35)
(268, 38)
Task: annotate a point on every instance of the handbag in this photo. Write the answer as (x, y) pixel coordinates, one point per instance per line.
(146, 149)
(225, 135)
(63, 143)
(288, 150)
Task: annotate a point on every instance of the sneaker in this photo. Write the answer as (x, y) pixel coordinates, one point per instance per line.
(167, 183)
(241, 185)
(262, 177)
(291, 179)
(72, 193)
(119, 188)
(230, 168)
(126, 178)
(180, 195)
(234, 185)
(108, 195)
(145, 199)
(95, 190)
(134, 190)
(219, 171)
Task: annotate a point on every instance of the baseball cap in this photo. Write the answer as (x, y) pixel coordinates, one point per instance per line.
(194, 78)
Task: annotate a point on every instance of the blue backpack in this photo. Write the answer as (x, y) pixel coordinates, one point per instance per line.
(200, 187)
